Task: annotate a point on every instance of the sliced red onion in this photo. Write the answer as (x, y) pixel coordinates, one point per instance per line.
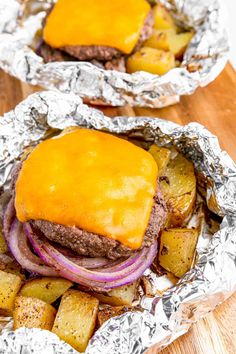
(119, 264)
(65, 264)
(101, 264)
(90, 263)
(92, 279)
(21, 251)
(88, 274)
(8, 218)
(86, 262)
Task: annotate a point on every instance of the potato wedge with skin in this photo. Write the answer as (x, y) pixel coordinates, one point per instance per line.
(152, 60)
(162, 18)
(178, 43)
(161, 156)
(108, 312)
(177, 249)
(124, 295)
(160, 39)
(9, 286)
(76, 318)
(47, 289)
(178, 185)
(30, 312)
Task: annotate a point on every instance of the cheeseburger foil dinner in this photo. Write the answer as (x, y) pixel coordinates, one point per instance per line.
(109, 226)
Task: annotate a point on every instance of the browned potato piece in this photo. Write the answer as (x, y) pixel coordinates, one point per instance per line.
(177, 250)
(178, 185)
(46, 288)
(76, 318)
(178, 43)
(9, 287)
(152, 60)
(111, 311)
(30, 312)
(11, 266)
(3, 245)
(160, 39)
(161, 156)
(124, 295)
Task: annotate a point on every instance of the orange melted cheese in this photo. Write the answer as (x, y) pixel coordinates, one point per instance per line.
(92, 180)
(112, 23)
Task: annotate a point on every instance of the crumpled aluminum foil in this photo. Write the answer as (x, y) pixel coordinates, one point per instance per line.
(209, 283)
(203, 61)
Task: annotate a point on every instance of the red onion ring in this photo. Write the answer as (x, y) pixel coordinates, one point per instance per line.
(88, 274)
(20, 249)
(62, 262)
(90, 263)
(86, 262)
(95, 280)
(8, 217)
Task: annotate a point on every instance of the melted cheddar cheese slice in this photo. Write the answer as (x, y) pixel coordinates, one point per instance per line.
(112, 23)
(92, 180)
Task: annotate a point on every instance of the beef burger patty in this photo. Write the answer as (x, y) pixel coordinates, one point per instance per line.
(97, 52)
(90, 244)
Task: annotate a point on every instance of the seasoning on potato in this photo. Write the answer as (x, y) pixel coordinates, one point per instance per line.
(177, 249)
(9, 287)
(154, 61)
(178, 185)
(76, 318)
(30, 312)
(47, 289)
(160, 39)
(124, 295)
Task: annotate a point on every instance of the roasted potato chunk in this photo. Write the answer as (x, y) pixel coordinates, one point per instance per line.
(162, 18)
(178, 43)
(177, 250)
(178, 185)
(152, 60)
(111, 311)
(169, 40)
(9, 265)
(3, 245)
(30, 312)
(46, 288)
(124, 295)
(9, 287)
(161, 156)
(160, 39)
(76, 318)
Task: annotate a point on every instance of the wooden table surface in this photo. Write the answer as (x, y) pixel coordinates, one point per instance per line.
(215, 108)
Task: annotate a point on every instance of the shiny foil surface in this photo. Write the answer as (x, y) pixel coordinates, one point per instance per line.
(167, 314)
(204, 59)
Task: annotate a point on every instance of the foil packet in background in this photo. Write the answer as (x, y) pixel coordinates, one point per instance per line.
(210, 282)
(203, 61)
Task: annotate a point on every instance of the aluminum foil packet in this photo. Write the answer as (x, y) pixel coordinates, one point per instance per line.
(204, 59)
(168, 315)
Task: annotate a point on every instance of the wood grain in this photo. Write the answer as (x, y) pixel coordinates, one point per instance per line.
(215, 108)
